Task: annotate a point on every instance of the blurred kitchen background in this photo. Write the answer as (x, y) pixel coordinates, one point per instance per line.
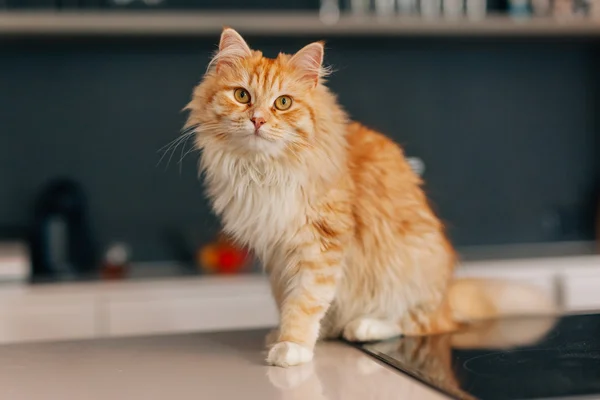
(497, 103)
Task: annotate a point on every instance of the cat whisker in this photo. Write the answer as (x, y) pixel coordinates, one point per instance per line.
(183, 155)
(184, 132)
(171, 149)
(172, 146)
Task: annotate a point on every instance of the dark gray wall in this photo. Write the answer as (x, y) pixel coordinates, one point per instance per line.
(507, 130)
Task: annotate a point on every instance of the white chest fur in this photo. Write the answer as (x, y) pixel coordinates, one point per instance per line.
(260, 204)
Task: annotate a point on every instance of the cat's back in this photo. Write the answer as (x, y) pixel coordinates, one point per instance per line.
(376, 162)
(388, 196)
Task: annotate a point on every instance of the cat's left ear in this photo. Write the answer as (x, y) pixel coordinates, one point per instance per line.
(309, 60)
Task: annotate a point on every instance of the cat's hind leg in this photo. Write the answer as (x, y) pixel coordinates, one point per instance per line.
(367, 329)
(428, 319)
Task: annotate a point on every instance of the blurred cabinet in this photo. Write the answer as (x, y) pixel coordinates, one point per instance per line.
(574, 282)
(47, 318)
(581, 288)
(144, 317)
(544, 279)
(79, 311)
(156, 306)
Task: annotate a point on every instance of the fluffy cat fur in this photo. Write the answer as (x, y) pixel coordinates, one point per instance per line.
(330, 207)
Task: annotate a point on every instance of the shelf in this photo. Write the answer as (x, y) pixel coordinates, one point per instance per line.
(194, 23)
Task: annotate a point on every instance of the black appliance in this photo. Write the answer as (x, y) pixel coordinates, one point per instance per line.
(509, 359)
(61, 241)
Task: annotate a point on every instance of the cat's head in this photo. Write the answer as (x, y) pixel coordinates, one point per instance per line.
(252, 105)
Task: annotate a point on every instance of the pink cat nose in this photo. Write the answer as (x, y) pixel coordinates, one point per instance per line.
(258, 122)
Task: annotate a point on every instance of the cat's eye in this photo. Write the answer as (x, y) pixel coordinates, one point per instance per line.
(283, 103)
(242, 95)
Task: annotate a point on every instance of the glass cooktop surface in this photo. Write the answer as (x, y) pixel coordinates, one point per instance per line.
(508, 359)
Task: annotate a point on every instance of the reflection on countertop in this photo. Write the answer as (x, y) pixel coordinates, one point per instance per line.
(506, 359)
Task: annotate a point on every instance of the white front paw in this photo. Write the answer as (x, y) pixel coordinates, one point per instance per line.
(287, 354)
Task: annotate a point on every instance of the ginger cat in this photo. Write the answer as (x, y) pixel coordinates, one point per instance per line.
(331, 208)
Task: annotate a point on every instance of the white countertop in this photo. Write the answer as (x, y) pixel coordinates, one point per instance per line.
(205, 366)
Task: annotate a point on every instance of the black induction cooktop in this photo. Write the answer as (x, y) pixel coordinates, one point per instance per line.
(508, 359)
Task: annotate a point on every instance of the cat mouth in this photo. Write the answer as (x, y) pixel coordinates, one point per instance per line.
(258, 134)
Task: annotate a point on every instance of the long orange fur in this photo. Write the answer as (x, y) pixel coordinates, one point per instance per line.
(331, 208)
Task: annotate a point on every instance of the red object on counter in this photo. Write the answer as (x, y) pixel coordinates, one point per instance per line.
(113, 272)
(222, 257)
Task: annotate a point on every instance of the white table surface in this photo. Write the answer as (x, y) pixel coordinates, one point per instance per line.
(199, 366)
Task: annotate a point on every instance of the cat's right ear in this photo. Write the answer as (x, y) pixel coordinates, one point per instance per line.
(232, 48)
